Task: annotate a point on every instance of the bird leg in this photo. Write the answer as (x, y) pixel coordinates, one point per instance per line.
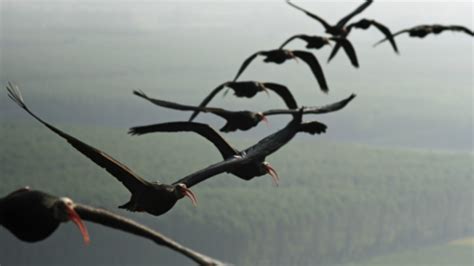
(271, 171)
(73, 216)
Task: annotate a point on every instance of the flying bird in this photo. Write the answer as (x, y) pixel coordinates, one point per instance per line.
(151, 197)
(257, 167)
(365, 24)
(422, 31)
(246, 171)
(317, 42)
(339, 28)
(279, 56)
(243, 120)
(33, 215)
(249, 89)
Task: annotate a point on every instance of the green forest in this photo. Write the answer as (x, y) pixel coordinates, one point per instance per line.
(360, 201)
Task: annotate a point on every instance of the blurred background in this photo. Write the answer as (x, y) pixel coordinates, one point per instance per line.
(390, 183)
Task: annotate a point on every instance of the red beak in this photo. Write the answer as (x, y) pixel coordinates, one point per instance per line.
(73, 216)
(271, 171)
(264, 119)
(188, 193)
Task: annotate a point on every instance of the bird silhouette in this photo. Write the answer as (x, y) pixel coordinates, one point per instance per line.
(33, 215)
(246, 171)
(279, 56)
(317, 42)
(244, 120)
(422, 31)
(339, 28)
(151, 197)
(249, 89)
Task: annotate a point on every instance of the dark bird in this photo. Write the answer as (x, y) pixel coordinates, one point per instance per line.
(152, 197)
(279, 56)
(339, 29)
(257, 152)
(317, 42)
(342, 31)
(243, 120)
(249, 89)
(33, 216)
(247, 169)
(422, 30)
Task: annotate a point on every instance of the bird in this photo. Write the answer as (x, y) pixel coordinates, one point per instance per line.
(317, 42)
(279, 56)
(249, 89)
(422, 31)
(342, 31)
(257, 152)
(152, 197)
(33, 215)
(249, 168)
(365, 24)
(243, 120)
(339, 28)
(246, 171)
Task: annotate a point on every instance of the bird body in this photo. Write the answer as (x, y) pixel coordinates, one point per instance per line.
(33, 216)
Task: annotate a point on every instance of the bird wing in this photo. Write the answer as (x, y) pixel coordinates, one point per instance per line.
(245, 64)
(394, 35)
(217, 111)
(349, 50)
(322, 21)
(460, 28)
(204, 130)
(358, 10)
(298, 36)
(313, 63)
(214, 169)
(109, 219)
(283, 92)
(382, 28)
(207, 100)
(132, 181)
(314, 110)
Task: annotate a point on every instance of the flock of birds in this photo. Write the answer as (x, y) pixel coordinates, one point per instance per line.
(20, 207)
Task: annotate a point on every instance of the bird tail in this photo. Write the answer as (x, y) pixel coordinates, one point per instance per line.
(313, 127)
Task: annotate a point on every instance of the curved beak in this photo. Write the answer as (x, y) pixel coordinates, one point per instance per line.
(271, 171)
(75, 218)
(266, 91)
(188, 193)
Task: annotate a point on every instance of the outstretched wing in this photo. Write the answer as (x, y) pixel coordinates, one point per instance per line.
(298, 36)
(348, 49)
(132, 181)
(283, 92)
(207, 100)
(382, 28)
(217, 111)
(460, 28)
(394, 35)
(313, 63)
(319, 19)
(314, 110)
(358, 10)
(245, 64)
(204, 130)
(109, 219)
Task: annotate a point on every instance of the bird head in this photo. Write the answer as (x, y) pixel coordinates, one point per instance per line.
(183, 191)
(63, 210)
(261, 117)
